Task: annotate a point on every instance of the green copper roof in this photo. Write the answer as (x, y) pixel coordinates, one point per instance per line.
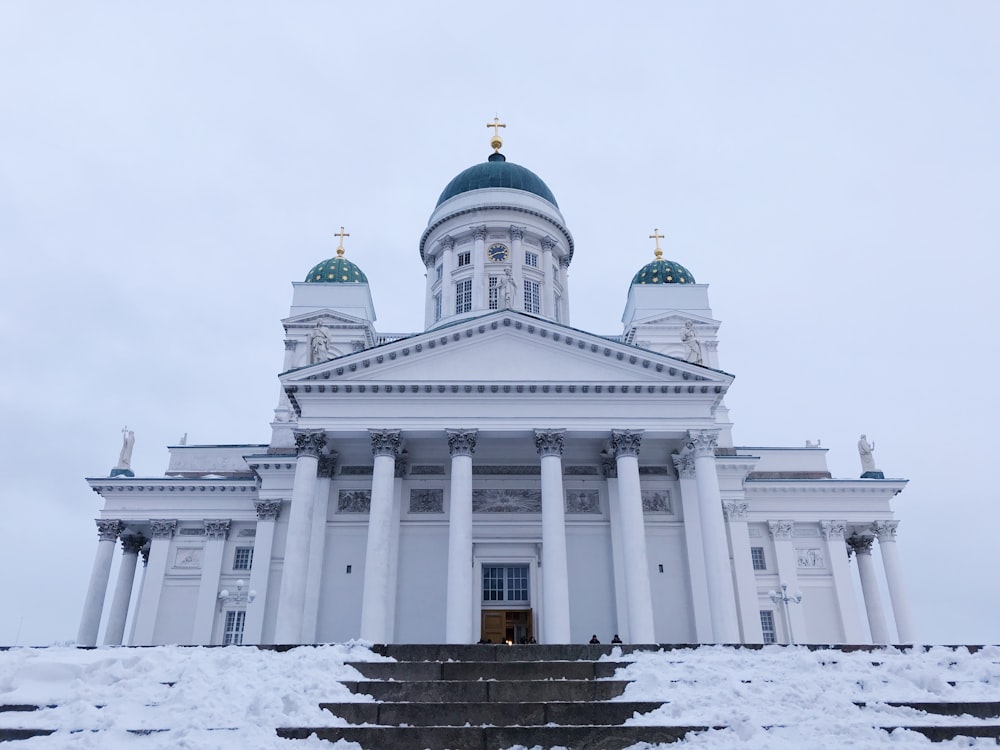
(337, 271)
(497, 173)
(663, 272)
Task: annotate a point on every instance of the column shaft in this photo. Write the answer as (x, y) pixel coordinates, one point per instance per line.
(291, 597)
(317, 549)
(902, 614)
(152, 583)
(718, 569)
(693, 540)
(862, 546)
(114, 632)
(93, 606)
(216, 532)
(840, 568)
(460, 600)
(784, 553)
(260, 570)
(375, 597)
(746, 581)
(555, 571)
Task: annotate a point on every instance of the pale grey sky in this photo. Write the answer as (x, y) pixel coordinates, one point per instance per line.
(829, 168)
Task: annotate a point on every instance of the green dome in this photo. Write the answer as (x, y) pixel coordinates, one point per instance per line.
(337, 270)
(663, 272)
(497, 173)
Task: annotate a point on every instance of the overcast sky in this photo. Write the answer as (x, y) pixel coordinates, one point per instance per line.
(831, 169)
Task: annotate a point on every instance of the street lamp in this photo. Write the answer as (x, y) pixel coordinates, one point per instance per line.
(784, 598)
(240, 596)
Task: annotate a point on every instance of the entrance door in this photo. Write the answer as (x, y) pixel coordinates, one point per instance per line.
(507, 626)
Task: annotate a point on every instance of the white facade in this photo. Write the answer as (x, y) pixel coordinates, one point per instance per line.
(499, 475)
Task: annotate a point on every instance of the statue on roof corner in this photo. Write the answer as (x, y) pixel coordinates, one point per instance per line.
(124, 466)
(319, 345)
(866, 452)
(692, 346)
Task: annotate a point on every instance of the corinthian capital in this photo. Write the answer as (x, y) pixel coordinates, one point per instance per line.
(161, 528)
(684, 463)
(217, 528)
(516, 233)
(626, 442)
(734, 511)
(447, 242)
(703, 442)
(385, 442)
(108, 531)
(548, 243)
(268, 510)
(885, 531)
(132, 543)
(309, 442)
(461, 442)
(479, 233)
(780, 529)
(549, 442)
(833, 529)
(860, 544)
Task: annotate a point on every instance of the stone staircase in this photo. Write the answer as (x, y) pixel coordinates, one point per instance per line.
(486, 697)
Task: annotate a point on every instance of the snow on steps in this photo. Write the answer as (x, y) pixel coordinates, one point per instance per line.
(486, 697)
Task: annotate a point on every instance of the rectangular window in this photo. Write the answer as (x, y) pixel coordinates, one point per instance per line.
(505, 583)
(233, 635)
(757, 555)
(437, 307)
(494, 292)
(243, 558)
(767, 626)
(464, 259)
(531, 259)
(531, 297)
(439, 272)
(463, 296)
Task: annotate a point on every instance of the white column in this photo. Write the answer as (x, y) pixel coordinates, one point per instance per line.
(480, 282)
(548, 283)
(564, 280)
(555, 571)
(431, 277)
(517, 265)
(609, 469)
(840, 568)
(161, 531)
(260, 569)
(291, 597)
(885, 531)
(93, 605)
(746, 582)
(402, 467)
(637, 589)
(144, 554)
(458, 623)
(317, 545)
(684, 462)
(861, 544)
(447, 282)
(718, 569)
(787, 563)
(114, 632)
(216, 532)
(375, 597)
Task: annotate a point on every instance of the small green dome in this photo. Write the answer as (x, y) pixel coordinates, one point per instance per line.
(663, 272)
(497, 173)
(337, 270)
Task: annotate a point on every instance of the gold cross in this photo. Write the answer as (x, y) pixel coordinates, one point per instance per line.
(657, 236)
(341, 234)
(496, 125)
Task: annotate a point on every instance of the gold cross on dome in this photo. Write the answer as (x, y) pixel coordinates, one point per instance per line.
(657, 236)
(341, 234)
(496, 141)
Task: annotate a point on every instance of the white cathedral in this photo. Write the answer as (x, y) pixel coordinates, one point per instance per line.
(500, 476)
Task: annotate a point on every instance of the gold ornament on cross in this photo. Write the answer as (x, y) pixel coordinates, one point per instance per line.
(340, 247)
(496, 141)
(657, 236)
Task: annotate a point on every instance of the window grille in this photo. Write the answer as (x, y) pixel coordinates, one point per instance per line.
(767, 626)
(505, 583)
(492, 583)
(531, 297)
(463, 296)
(531, 259)
(557, 305)
(437, 307)
(494, 292)
(757, 555)
(464, 259)
(233, 635)
(243, 558)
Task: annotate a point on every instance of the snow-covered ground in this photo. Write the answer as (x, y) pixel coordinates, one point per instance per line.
(229, 698)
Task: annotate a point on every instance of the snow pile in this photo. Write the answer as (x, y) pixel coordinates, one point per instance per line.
(229, 698)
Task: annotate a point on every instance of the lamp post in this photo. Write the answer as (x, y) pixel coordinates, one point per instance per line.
(240, 597)
(784, 598)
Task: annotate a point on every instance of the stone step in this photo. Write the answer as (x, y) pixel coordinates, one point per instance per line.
(493, 738)
(493, 652)
(487, 670)
(10, 735)
(485, 691)
(947, 732)
(495, 714)
(979, 709)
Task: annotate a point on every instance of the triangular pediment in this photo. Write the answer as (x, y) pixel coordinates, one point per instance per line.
(327, 317)
(508, 347)
(675, 318)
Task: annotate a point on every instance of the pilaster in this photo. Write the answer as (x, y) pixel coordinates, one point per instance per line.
(216, 532)
(784, 553)
(736, 514)
(162, 532)
(840, 567)
(260, 569)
